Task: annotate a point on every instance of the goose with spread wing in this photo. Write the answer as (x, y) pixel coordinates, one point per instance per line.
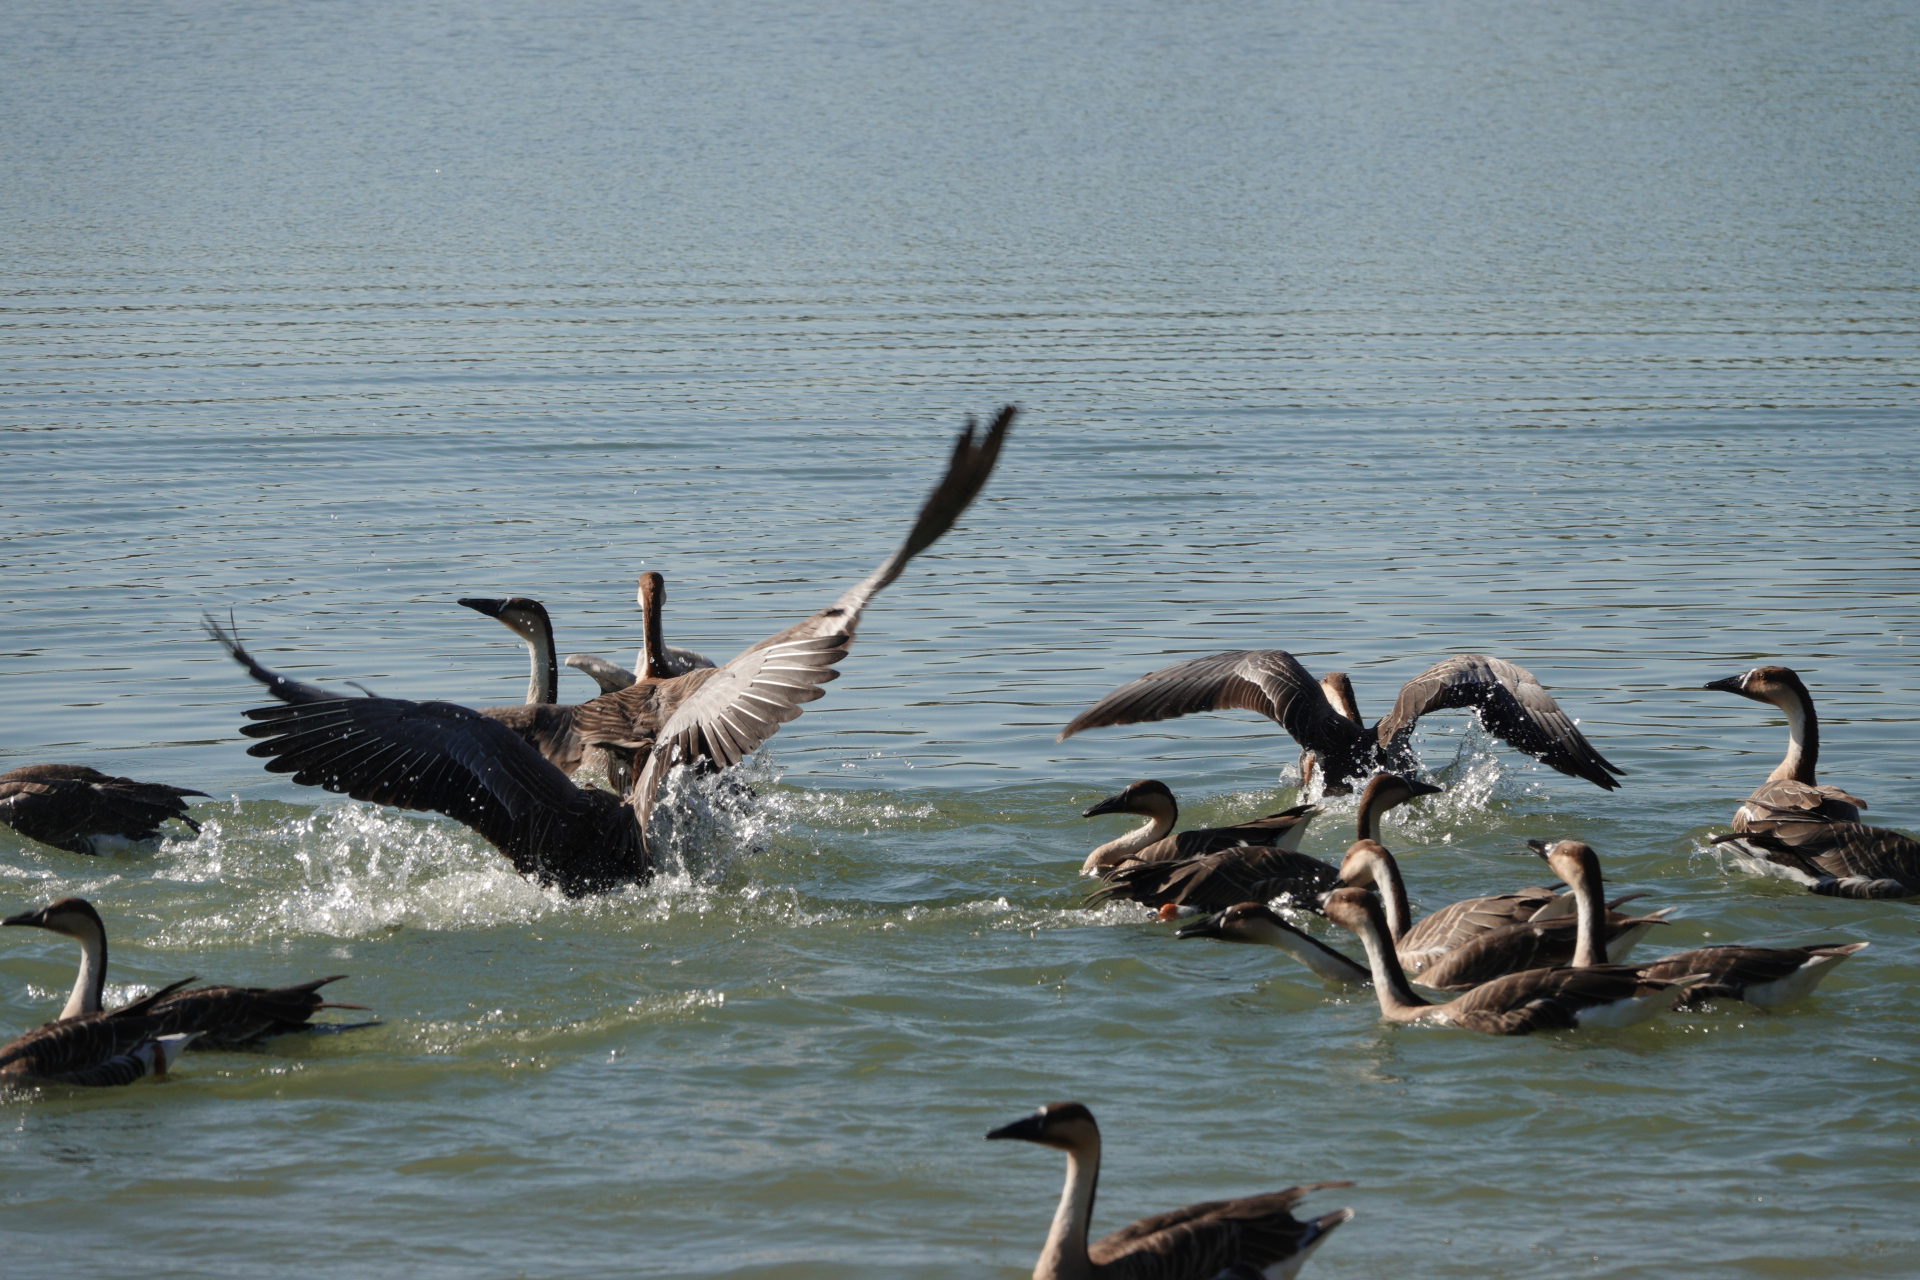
(82, 810)
(1323, 718)
(453, 760)
(1795, 828)
(1199, 1242)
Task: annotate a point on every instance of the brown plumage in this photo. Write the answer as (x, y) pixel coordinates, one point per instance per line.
(1243, 873)
(220, 1017)
(1517, 1004)
(1194, 1243)
(1794, 827)
(81, 810)
(1323, 719)
(1759, 975)
(1158, 842)
(94, 1049)
(449, 759)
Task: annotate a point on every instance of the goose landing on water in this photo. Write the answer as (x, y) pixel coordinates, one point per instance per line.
(1322, 717)
(1796, 829)
(1155, 842)
(220, 1017)
(449, 759)
(1199, 1242)
(82, 810)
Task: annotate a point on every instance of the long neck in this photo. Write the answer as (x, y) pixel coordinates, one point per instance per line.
(653, 658)
(1590, 917)
(91, 981)
(1803, 747)
(543, 669)
(1064, 1256)
(1134, 841)
(1397, 1000)
(1367, 820)
(1393, 895)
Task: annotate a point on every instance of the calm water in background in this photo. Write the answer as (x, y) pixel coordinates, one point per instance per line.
(1378, 332)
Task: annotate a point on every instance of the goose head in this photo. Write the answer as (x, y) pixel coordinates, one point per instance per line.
(1777, 685)
(1247, 922)
(525, 618)
(70, 917)
(1065, 1126)
(1149, 798)
(1574, 861)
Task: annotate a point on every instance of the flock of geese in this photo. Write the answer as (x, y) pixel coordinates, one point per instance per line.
(1513, 962)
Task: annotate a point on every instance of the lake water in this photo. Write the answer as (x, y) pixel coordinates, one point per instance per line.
(1580, 335)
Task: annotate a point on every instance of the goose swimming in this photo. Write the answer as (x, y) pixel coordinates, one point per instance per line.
(1199, 1242)
(1244, 873)
(1764, 976)
(1794, 828)
(82, 810)
(453, 760)
(1530, 928)
(95, 1049)
(1323, 718)
(1155, 842)
(219, 1017)
(1546, 941)
(1593, 995)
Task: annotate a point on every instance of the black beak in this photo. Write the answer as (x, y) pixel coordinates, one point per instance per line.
(1027, 1129)
(25, 917)
(1730, 685)
(491, 608)
(1423, 788)
(1204, 927)
(1112, 804)
(1539, 846)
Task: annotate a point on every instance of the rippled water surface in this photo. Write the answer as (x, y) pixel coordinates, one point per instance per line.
(1580, 335)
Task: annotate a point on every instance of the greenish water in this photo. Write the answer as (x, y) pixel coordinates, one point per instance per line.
(1583, 337)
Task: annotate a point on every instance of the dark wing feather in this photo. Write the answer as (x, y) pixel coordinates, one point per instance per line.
(1546, 999)
(452, 760)
(1458, 923)
(1512, 706)
(1268, 681)
(231, 1017)
(285, 688)
(1202, 1239)
(1244, 873)
(967, 472)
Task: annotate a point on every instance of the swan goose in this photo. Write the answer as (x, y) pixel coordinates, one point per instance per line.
(1194, 1243)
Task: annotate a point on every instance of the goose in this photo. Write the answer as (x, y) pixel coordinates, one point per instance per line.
(1796, 829)
(1762, 976)
(612, 677)
(1198, 1242)
(1592, 995)
(1256, 922)
(1549, 942)
(1435, 949)
(452, 760)
(1245, 873)
(1155, 842)
(219, 1017)
(1323, 718)
(82, 810)
(95, 1049)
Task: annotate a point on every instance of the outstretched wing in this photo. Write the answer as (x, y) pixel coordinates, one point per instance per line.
(731, 710)
(1269, 681)
(449, 759)
(1512, 706)
(967, 473)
